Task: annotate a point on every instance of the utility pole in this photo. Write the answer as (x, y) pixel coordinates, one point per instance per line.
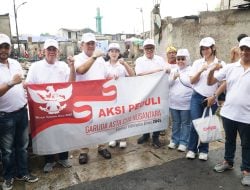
(141, 10)
(17, 34)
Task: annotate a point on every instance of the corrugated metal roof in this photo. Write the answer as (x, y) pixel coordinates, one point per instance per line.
(243, 5)
(37, 39)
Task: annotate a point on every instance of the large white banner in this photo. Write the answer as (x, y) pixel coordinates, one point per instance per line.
(68, 116)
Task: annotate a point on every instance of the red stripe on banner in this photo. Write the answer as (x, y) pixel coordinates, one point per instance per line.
(82, 108)
(55, 122)
(108, 89)
(80, 112)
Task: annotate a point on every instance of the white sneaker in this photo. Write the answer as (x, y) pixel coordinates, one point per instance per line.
(203, 156)
(182, 148)
(123, 144)
(112, 143)
(172, 145)
(8, 184)
(190, 155)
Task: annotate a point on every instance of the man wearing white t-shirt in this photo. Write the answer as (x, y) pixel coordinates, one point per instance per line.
(236, 109)
(14, 136)
(50, 70)
(90, 65)
(147, 64)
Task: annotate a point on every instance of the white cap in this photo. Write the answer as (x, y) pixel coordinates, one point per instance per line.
(148, 42)
(50, 42)
(114, 46)
(4, 39)
(245, 42)
(88, 37)
(182, 52)
(207, 42)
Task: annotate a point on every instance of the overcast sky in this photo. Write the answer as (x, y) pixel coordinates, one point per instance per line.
(119, 16)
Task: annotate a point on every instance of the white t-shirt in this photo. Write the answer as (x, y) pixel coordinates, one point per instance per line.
(96, 72)
(116, 69)
(14, 98)
(201, 86)
(237, 104)
(171, 66)
(143, 64)
(42, 72)
(180, 89)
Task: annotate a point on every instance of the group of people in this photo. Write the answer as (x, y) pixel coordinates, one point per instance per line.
(192, 87)
(88, 65)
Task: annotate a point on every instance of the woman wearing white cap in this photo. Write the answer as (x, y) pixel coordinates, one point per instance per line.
(202, 91)
(117, 67)
(179, 101)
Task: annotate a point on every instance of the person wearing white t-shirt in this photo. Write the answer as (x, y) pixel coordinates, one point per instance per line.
(90, 65)
(235, 51)
(171, 64)
(117, 67)
(147, 64)
(236, 110)
(180, 92)
(50, 70)
(201, 93)
(14, 132)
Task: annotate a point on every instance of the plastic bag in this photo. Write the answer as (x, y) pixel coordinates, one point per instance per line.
(208, 128)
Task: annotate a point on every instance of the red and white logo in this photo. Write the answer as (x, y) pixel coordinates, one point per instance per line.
(52, 99)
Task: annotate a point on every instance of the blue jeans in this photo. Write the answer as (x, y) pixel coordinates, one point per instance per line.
(231, 127)
(14, 142)
(181, 126)
(196, 110)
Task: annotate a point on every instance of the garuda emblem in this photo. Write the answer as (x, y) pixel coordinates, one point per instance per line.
(52, 99)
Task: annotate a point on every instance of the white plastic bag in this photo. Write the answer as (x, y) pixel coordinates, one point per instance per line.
(208, 128)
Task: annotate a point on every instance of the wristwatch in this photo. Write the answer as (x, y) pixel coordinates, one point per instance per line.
(94, 57)
(10, 84)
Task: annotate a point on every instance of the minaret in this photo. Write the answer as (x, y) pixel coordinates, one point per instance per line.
(98, 19)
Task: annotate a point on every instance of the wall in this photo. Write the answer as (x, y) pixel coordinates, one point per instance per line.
(223, 26)
(65, 33)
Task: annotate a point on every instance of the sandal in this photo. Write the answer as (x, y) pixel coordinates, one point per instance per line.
(163, 133)
(105, 153)
(83, 158)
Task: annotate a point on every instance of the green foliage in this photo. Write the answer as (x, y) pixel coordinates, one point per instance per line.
(44, 34)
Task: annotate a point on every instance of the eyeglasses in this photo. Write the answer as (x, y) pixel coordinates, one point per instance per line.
(181, 59)
(51, 49)
(91, 43)
(4, 46)
(149, 48)
(244, 48)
